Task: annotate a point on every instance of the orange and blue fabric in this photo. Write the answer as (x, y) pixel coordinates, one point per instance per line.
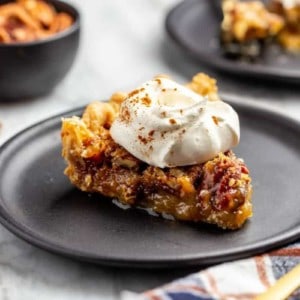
(239, 280)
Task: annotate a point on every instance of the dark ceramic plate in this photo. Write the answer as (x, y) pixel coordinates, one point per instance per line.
(194, 25)
(38, 203)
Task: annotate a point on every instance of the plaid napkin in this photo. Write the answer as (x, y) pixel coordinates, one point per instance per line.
(238, 280)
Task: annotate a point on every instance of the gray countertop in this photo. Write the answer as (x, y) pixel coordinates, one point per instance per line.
(123, 44)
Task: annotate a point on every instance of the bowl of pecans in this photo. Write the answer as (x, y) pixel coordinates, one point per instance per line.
(38, 44)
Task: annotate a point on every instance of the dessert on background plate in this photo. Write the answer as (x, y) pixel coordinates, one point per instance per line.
(164, 147)
(289, 10)
(248, 27)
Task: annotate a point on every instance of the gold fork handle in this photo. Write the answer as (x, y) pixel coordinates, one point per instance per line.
(284, 287)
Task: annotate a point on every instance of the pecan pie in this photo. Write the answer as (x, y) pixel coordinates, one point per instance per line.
(217, 191)
(289, 37)
(247, 27)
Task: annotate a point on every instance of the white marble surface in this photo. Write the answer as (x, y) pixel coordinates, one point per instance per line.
(123, 43)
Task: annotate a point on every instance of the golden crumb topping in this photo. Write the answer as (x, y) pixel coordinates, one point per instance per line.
(244, 21)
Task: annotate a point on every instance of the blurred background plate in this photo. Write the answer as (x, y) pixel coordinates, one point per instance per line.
(195, 24)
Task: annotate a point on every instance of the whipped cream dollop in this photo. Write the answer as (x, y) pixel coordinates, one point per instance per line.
(166, 125)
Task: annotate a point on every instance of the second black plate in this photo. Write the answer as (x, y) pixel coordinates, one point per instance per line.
(194, 25)
(38, 203)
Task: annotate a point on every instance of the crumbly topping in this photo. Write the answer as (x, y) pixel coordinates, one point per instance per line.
(246, 21)
(204, 85)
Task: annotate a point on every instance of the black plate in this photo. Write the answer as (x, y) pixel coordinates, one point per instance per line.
(38, 203)
(194, 25)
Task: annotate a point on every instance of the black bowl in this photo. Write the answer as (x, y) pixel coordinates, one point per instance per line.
(34, 68)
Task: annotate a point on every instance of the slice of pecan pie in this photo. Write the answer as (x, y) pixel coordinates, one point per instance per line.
(217, 191)
(247, 27)
(289, 37)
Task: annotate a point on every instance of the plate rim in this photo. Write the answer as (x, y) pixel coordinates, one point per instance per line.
(218, 62)
(279, 240)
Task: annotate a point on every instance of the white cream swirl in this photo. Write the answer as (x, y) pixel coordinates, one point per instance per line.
(166, 125)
